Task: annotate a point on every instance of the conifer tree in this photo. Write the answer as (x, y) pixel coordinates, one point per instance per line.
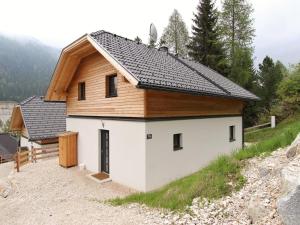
(205, 46)
(175, 35)
(238, 33)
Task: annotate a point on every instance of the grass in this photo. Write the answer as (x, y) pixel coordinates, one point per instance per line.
(267, 133)
(220, 177)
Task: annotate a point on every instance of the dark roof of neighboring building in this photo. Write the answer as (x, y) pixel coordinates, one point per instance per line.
(8, 144)
(154, 68)
(43, 119)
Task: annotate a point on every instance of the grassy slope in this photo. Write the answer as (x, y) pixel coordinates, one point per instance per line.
(221, 176)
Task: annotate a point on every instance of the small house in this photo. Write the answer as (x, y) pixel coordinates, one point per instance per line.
(144, 116)
(39, 122)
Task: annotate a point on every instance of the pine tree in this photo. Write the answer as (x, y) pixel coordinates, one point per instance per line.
(238, 33)
(175, 35)
(270, 75)
(205, 46)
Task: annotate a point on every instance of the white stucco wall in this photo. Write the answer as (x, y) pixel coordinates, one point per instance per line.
(147, 164)
(25, 143)
(203, 140)
(127, 148)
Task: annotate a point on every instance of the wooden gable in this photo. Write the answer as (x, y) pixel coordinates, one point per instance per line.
(93, 71)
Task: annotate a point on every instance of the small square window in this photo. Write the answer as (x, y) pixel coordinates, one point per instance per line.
(81, 91)
(177, 142)
(232, 133)
(111, 86)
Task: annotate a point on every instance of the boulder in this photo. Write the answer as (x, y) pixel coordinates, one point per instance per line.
(289, 204)
(5, 188)
(294, 148)
(256, 209)
(291, 152)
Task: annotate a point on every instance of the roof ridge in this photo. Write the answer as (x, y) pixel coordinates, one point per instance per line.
(27, 100)
(116, 35)
(199, 73)
(212, 70)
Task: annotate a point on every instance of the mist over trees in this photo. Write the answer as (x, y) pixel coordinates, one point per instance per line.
(25, 68)
(221, 39)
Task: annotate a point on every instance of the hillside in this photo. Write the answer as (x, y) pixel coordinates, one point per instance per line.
(25, 68)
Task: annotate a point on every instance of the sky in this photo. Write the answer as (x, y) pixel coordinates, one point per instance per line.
(59, 22)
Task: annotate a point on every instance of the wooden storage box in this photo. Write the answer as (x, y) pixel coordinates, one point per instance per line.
(68, 149)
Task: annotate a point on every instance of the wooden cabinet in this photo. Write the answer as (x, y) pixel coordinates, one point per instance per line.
(68, 149)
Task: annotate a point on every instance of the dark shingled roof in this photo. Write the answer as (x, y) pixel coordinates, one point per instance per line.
(43, 119)
(8, 145)
(158, 69)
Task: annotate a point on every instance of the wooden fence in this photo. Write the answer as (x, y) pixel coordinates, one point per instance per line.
(27, 156)
(271, 124)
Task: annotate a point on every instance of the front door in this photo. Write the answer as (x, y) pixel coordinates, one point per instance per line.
(104, 151)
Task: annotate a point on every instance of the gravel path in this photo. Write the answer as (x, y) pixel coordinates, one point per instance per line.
(5, 169)
(45, 193)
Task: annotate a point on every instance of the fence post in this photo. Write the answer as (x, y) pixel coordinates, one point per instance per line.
(273, 122)
(34, 154)
(18, 161)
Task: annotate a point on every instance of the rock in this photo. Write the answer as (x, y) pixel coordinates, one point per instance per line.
(294, 148)
(256, 209)
(5, 189)
(289, 204)
(291, 152)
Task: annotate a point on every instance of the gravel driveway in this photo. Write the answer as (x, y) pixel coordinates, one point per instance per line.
(46, 193)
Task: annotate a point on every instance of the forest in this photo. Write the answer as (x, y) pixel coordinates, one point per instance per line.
(222, 38)
(25, 68)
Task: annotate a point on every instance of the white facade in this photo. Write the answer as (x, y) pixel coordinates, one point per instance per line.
(147, 164)
(127, 147)
(24, 142)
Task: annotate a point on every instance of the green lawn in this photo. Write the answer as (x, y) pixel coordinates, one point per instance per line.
(221, 176)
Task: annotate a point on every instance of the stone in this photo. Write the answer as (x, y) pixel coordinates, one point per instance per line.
(5, 189)
(291, 152)
(294, 148)
(256, 209)
(289, 207)
(289, 204)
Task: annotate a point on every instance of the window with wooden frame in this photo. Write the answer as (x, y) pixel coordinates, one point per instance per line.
(111, 86)
(232, 133)
(177, 142)
(81, 91)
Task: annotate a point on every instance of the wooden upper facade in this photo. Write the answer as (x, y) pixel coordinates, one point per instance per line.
(83, 63)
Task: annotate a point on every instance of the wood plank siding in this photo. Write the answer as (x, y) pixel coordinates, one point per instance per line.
(173, 104)
(93, 70)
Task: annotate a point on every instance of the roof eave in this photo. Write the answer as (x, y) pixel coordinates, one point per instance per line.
(199, 93)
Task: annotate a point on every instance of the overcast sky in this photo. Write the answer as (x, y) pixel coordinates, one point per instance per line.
(59, 22)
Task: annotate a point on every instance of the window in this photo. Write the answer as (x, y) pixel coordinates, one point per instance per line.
(111, 86)
(81, 91)
(177, 142)
(232, 133)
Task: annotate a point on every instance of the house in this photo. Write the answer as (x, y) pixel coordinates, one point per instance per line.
(39, 122)
(143, 115)
(8, 147)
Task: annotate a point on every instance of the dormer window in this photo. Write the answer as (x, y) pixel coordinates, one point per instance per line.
(81, 91)
(111, 86)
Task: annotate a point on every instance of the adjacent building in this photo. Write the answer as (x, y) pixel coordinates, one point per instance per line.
(39, 122)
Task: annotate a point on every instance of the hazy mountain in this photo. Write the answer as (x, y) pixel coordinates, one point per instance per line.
(26, 66)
